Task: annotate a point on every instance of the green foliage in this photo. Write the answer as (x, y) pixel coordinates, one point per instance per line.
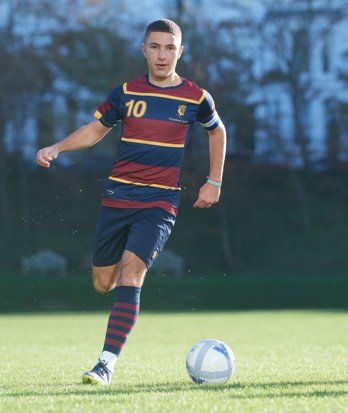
(274, 76)
(192, 292)
(263, 213)
(94, 57)
(223, 69)
(24, 74)
(286, 362)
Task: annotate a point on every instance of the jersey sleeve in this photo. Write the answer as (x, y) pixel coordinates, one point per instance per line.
(109, 112)
(207, 115)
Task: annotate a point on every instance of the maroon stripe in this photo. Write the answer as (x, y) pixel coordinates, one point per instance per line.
(117, 332)
(104, 107)
(161, 131)
(114, 342)
(121, 323)
(146, 174)
(123, 314)
(134, 307)
(123, 203)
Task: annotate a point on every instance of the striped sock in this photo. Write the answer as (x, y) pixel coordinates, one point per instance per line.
(123, 316)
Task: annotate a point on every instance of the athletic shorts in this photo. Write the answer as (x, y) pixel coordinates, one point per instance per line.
(142, 231)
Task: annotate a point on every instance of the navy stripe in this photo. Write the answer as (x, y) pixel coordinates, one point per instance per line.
(121, 328)
(127, 295)
(118, 190)
(150, 154)
(124, 319)
(161, 108)
(116, 337)
(111, 349)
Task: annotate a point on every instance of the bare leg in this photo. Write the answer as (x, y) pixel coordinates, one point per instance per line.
(104, 278)
(132, 270)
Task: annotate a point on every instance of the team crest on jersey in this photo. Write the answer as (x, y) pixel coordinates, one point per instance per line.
(182, 110)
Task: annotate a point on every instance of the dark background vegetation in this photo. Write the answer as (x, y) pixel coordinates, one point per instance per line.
(279, 236)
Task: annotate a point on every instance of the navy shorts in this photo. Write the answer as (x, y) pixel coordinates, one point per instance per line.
(142, 231)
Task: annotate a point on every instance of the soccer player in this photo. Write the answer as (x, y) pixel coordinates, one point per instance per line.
(141, 196)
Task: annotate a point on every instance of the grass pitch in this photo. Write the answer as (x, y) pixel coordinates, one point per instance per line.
(287, 361)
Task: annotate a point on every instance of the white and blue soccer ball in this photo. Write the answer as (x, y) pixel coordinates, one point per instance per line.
(210, 361)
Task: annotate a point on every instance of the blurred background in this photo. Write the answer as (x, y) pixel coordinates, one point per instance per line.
(278, 72)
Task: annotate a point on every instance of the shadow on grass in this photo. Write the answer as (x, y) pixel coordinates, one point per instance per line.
(287, 389)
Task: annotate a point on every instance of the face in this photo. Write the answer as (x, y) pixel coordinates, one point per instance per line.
(162, 52)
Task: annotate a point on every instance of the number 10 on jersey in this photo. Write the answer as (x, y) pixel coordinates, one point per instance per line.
(136, 108)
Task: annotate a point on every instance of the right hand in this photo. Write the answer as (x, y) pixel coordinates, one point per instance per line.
(46, 155)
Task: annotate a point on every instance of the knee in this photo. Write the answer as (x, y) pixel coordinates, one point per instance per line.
(101, 286)
(102, 283)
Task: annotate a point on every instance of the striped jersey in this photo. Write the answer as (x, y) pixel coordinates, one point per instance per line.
(156, 126)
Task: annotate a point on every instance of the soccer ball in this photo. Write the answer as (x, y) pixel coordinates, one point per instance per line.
(210, 361)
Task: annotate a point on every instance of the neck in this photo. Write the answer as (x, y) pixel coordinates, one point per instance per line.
(172, 80)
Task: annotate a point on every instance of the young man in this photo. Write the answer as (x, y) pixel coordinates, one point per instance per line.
(141, 196)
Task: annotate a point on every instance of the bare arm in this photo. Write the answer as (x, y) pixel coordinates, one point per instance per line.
(210, 194)
(82, 138)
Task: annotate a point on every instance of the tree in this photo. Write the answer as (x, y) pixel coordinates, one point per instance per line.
(339, 119)
(286, 33)
(289, 32)
(24, 78)
(222, 69)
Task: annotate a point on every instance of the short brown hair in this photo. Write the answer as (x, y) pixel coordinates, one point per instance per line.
(164, 26)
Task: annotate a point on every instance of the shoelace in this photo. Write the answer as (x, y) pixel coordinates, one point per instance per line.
(102, 366)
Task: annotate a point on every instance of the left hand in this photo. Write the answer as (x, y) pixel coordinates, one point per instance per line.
(208, 196)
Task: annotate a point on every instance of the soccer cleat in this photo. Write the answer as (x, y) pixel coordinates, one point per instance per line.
(100, 374)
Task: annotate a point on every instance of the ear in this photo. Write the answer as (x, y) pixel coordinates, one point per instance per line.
(144, 49)
(181, 49)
